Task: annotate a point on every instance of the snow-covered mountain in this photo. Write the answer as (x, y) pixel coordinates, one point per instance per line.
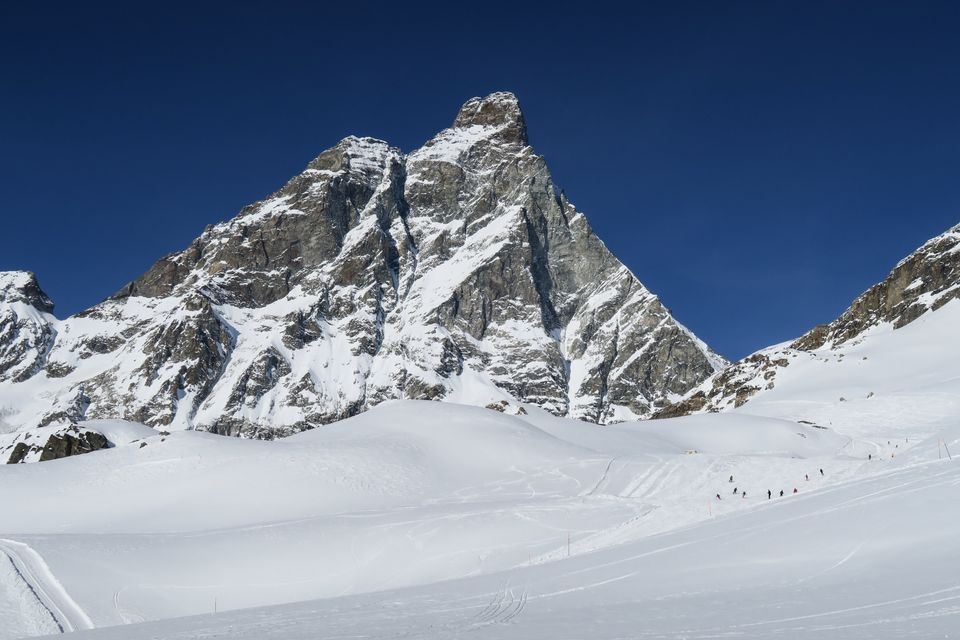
(26, 326)
(435, 520)
(457, 272)
(921, 284)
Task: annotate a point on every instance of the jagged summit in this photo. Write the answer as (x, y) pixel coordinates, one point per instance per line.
(457, 272)
(26, 328)
(263, 253)
(22, 286)
(500, 110)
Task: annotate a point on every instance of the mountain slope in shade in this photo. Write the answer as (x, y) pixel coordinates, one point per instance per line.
(922, 283)
(456, 272)
(26, 326)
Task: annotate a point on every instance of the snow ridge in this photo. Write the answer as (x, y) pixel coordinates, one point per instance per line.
(32, 569)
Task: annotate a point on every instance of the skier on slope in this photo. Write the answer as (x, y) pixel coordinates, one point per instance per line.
(718, 497)
(821, 471)
(769, 494)
(794, 489)
(807, 476)
(743, 495)
(731, 479)
(734, 491)
(781, 493)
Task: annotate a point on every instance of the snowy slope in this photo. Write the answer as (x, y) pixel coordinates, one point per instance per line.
(411, 494)
(405, 494)
(868, 559)
(381, 508)
(886, 381)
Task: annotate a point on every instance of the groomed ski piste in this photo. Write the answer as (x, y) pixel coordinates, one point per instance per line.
(436, 520)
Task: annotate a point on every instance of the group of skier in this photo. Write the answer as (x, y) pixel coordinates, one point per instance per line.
(892, 453)
(743, 494)
(806, 476)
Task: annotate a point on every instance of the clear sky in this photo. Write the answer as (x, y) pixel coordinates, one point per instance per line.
(757, 165)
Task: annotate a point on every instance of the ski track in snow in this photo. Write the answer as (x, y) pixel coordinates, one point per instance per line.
(602, 479)
(33, 570)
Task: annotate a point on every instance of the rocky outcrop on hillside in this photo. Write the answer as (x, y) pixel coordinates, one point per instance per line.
(457, 272)
(922, 282)
(34, 446)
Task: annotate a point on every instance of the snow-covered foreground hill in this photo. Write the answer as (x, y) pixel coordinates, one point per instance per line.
(874, 558)
(421, 519)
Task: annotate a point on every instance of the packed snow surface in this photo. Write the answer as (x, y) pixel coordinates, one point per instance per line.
(431, 520)
(867, 559)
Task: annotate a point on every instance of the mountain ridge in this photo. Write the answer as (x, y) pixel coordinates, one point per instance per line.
(457, 271)
(922, 282)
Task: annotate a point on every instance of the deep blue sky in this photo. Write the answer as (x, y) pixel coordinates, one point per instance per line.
(756, 165)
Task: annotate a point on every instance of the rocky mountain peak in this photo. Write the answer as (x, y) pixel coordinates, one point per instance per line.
(500, 110)
(22, 286)
(26, 328)
(456, 272)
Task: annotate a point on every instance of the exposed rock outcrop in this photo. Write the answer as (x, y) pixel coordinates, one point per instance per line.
(62, 443)
(924, 281)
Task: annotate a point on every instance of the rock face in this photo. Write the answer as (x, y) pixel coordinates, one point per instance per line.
(922, 282)
(456, 272)
(62, 443)
(26, 326)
